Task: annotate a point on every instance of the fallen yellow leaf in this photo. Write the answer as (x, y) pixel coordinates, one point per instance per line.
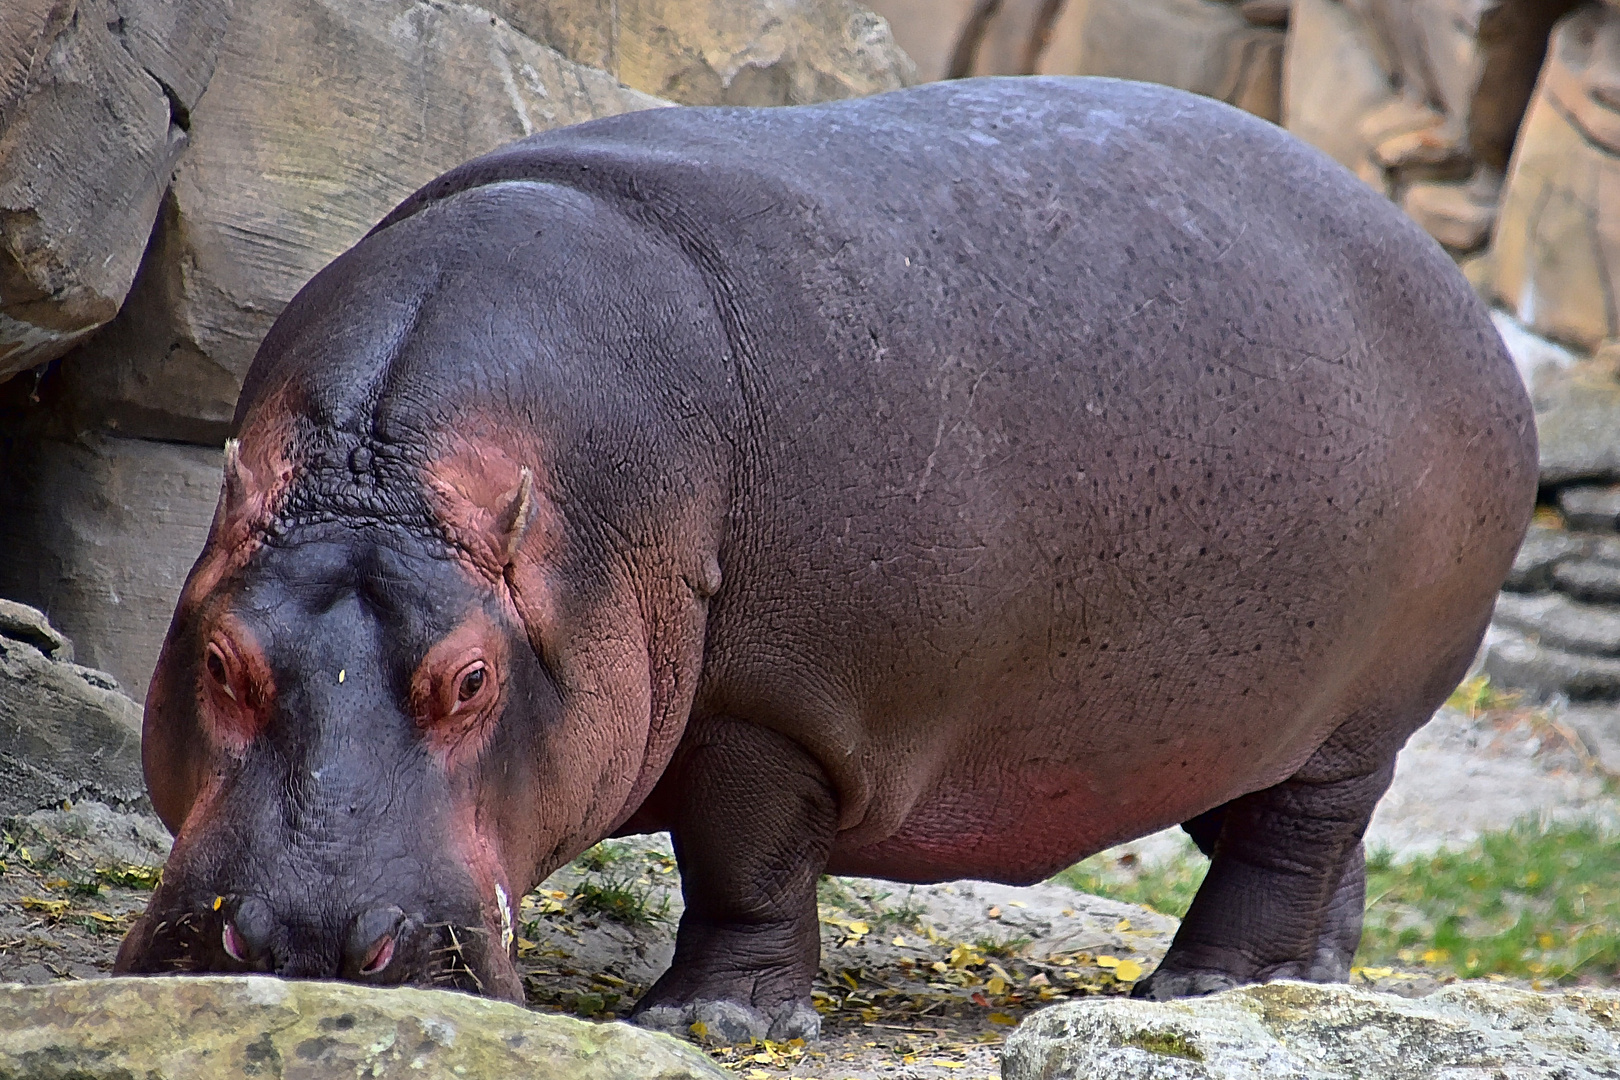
(900, 941)
(1002, 1018)
(1128, 971)
(699, 1028)
(49, 907)
(1122, 925)
(1108, 961)
(997, 985)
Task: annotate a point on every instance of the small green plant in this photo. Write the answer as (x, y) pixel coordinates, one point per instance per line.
(1477, 695)
(602, 856)
(1001, 947)
(622, 900)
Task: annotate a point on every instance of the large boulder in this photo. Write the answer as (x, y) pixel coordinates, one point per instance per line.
(320, 116)
(723, 52)
(101, 532)
(66, 732)
(1332, 80)
(1556, 250)
(234, 1027)
(1323, 1032)
(94, 101)
(1422, 98)
(1232, 52)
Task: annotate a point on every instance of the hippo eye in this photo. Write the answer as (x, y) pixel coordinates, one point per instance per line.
(472, 681)
(215, 662)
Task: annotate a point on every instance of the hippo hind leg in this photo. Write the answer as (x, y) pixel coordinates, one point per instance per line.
(1340, 931)
(1286, 887)
(1284, 893)
(754, 819)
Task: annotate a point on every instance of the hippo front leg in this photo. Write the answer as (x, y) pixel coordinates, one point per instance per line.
(754, 818)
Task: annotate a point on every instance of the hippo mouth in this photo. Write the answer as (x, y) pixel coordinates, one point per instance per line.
(382, 946)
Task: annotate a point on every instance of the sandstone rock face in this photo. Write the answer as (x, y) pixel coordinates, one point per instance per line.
(1332, 79)
(1299, 1030)
(264, 197)
(94, 101)
(66, 732)
(723, 52)
(237, 1027)
(1200, 45)
(1557, 243)
(101, 533)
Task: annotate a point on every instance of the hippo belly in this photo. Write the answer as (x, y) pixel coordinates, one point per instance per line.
(950, 482)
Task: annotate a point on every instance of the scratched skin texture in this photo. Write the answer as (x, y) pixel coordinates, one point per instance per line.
(953, 482)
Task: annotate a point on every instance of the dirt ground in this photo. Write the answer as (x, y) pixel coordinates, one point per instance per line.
(916, 982)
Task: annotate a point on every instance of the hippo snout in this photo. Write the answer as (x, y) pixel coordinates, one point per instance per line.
(378, 943)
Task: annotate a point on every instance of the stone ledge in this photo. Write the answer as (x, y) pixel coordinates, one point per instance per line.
(227, 1027)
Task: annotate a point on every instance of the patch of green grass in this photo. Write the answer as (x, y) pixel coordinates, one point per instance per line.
(1530, 901)
(1166, 887)
(604, 855)
(621, 899)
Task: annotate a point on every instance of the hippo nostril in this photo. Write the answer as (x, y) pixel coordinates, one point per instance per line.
(248, 930)
(235, 948)
(380, 954)
(372, 939)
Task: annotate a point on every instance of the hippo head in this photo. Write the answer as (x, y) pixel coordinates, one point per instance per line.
(370, 739)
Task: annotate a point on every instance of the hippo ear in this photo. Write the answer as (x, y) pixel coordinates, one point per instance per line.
(233, 491)
(513, 517)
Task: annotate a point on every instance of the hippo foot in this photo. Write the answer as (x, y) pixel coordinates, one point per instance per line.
(727, 1022)
(1169, 984)
(1165, 985)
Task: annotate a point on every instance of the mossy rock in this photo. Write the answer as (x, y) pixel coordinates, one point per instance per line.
(1305, 1030)
(227, 1027)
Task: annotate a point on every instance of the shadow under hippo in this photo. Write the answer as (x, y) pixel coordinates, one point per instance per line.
(949, 483)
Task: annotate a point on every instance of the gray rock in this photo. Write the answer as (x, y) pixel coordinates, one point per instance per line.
(234, 1027)
(320, 116)
(1578, 424)
(95, 97)
(1596, 508)
(90, 834)
(66, 732)
(1557, 621)
(1542, 552)
(101, 534)
(1516, 661)
(1305, 1031)
(86, 146)
(1589, 580)
(23, 623)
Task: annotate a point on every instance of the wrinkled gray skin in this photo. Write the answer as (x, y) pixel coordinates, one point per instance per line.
(954, 482)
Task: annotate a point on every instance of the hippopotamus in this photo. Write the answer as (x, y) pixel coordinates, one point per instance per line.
(951, 483)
